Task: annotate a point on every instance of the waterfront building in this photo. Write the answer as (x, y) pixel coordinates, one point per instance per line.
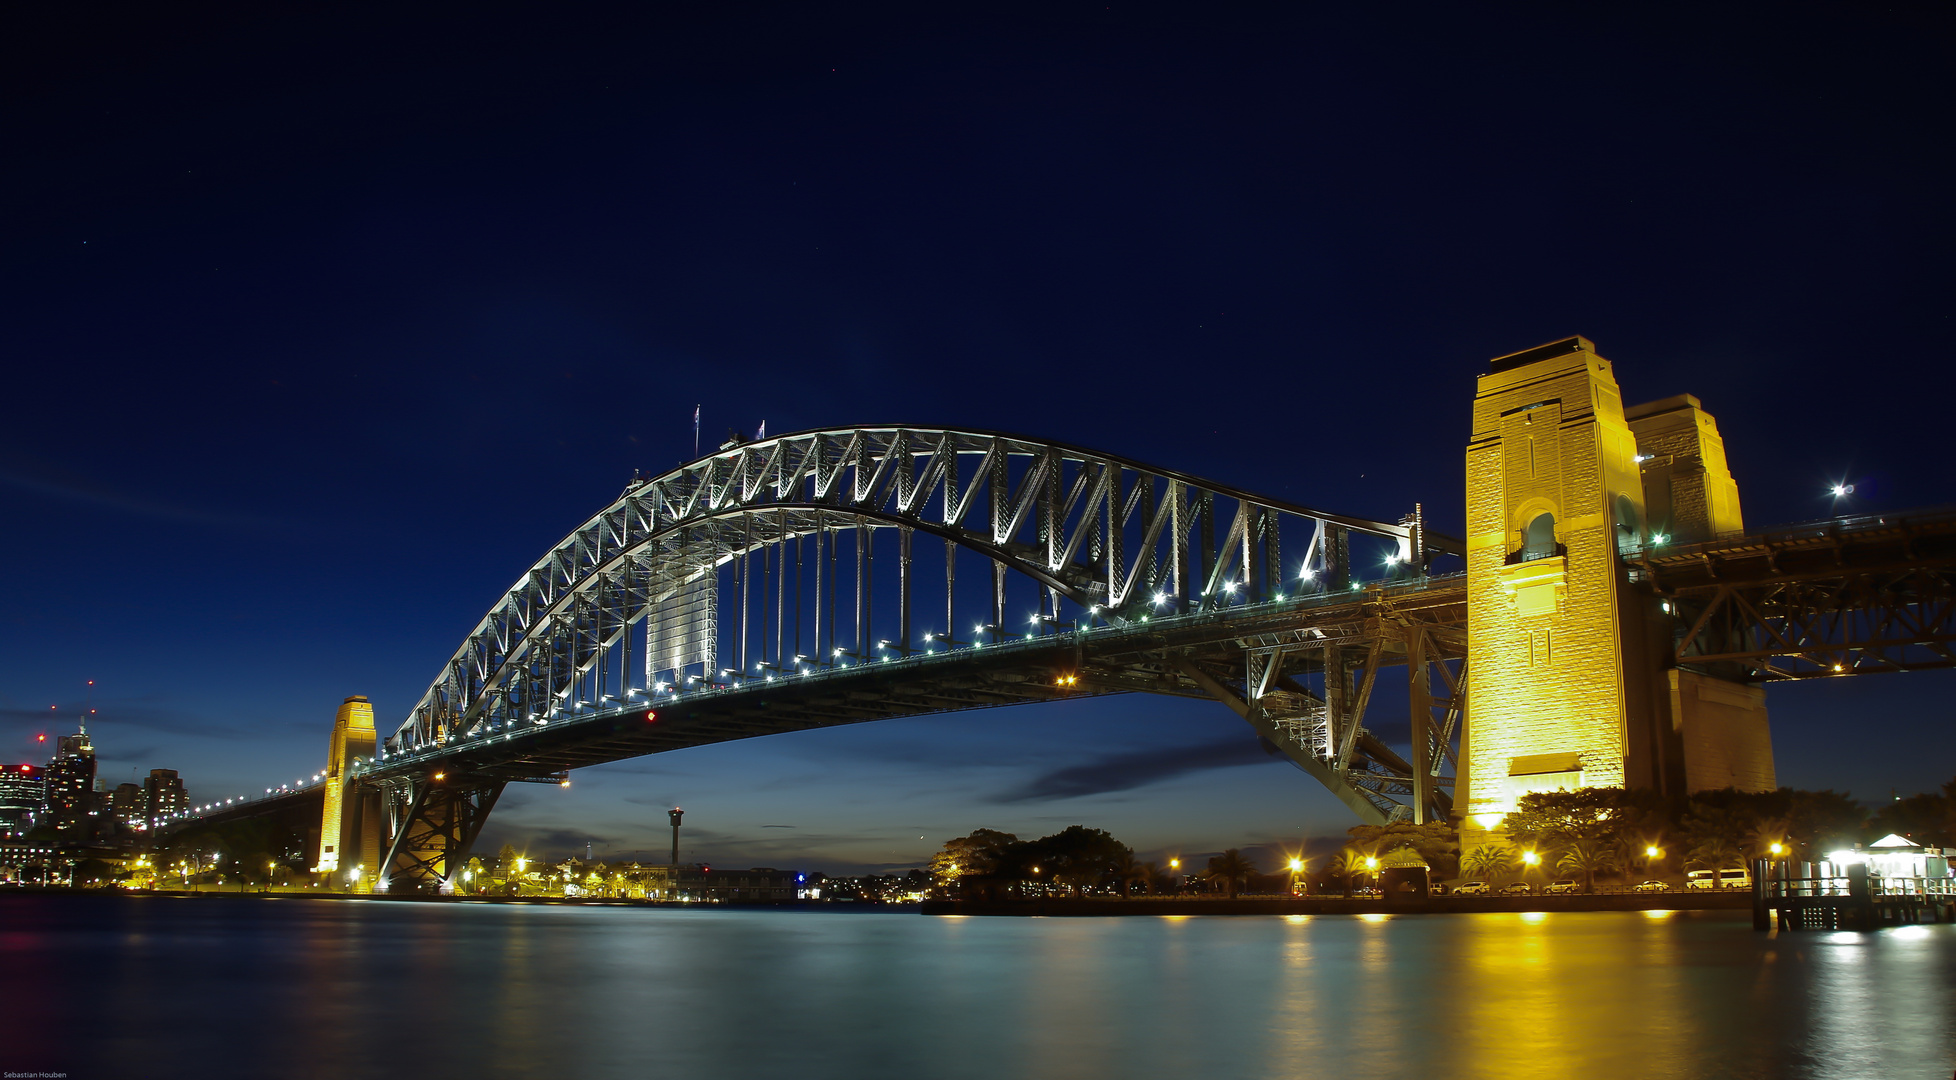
(24, 861)
(23, 797)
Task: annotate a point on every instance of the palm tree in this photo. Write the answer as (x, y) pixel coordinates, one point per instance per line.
(1232, 869)
(1586, 857)
(1487, 860)
(1126, 872)
(1768, 832)
(1715, 853)
(1345, 866)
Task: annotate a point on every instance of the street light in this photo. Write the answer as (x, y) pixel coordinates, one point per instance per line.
(1776, 848)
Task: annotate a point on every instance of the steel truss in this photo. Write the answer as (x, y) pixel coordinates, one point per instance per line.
(433, 826)
(1307, 691)
(1103, 534)
(763, 557)
(1844, 597)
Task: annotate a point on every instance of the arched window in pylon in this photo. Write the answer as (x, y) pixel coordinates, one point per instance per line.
(1538, 540)
(1629, 529)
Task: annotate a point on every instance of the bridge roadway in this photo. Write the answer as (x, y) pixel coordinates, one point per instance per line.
(1209, 655)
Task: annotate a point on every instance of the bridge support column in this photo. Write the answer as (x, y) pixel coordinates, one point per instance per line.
(1567, 655)
(1420, 695)
(339, 826)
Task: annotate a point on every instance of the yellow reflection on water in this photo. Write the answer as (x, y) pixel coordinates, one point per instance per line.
(1374, 917)
(1658, 913)
(1297, 919)
(1534, 916)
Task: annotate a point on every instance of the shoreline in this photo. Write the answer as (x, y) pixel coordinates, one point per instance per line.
(1046, 907)
(1732, 900)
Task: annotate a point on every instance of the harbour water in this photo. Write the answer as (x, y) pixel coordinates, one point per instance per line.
(101, 986)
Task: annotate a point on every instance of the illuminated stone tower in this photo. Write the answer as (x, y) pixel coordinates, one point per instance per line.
(1570, 684)
(343, 827)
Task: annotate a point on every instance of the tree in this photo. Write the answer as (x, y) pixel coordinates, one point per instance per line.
(506, 859)
(1715, 852)
(1077, 856)
(1231, 869)
(1437, 842)
(1928, 819)
(1488, 861)
(977, 854)
(1126, 871)
(1588, 858)
(1343, 867)
(1555, 819)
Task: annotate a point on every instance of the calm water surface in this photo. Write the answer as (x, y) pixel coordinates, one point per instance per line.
(149, 986)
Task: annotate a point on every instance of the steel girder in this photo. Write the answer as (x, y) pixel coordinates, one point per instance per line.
(1093, 529)
(1844, 597)
(432, 826)
(1307, 691)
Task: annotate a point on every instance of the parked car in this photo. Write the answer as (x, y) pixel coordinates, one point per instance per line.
(1470, 888)
(1652, 885)
(1732, 877)
(1517, 888)
(1565, 885)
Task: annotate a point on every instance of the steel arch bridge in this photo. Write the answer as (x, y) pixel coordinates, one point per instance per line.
(741, 594)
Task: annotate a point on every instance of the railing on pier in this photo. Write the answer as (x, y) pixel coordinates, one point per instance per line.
(1853, 900)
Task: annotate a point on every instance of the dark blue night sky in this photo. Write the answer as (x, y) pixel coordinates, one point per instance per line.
(320, 326)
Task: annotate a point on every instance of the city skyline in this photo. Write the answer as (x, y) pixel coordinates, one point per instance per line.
(304, 400)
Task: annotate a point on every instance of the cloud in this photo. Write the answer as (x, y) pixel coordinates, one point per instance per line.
(29, 476)
(1137, 768)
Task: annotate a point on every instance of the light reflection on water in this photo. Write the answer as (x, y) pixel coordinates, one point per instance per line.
(325, 989)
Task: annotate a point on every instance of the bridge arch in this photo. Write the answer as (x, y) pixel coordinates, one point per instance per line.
(1098, 532)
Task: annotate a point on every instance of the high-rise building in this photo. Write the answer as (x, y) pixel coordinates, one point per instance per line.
(129, 805)
(23, 797)
(71, 782)
(163, 795)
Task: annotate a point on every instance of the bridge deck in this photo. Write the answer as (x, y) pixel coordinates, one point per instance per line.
(1133, 658)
